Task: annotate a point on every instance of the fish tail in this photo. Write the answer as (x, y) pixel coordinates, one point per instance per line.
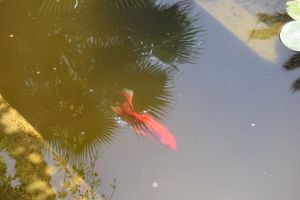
(159, 132)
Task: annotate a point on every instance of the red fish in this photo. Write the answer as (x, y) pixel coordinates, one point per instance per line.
(144, 124)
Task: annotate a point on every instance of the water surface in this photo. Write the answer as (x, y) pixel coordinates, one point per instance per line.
(235, 116)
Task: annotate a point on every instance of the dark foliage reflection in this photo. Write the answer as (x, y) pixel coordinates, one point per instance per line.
(274, 22)
(67, 61)
(292, 64)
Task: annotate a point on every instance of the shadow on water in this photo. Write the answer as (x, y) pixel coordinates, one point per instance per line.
(67, 61)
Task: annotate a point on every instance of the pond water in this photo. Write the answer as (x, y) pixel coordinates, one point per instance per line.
(234, 114)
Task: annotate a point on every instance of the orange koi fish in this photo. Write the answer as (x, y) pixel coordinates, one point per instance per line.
(144, 124)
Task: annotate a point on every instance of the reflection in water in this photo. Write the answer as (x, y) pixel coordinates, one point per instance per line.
(292, 64)
(80, 182)
(27, 173)
(56, 8)
(7, 186)
(66, 62)
(254, 6)
(76, 183)
(269, 18)
(273, 24)
(21, 153)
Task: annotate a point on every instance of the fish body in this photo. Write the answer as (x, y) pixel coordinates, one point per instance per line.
(144, 124)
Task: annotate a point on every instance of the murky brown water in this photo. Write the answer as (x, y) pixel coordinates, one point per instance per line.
(234, 115)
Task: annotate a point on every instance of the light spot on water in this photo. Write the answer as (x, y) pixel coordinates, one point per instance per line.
(265, 173)
(200, 43)
(76, 4)
(11, 35)
(253, 124)
(120, 122)
(146, 111)
(49, 171)
(19, 150)
(35, 158)
(155, 185)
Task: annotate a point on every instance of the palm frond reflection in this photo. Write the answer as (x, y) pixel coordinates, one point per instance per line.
(292, 64)
(57, 7)
(296, 85)
(168, 32)
(70, 70)
(125, 5)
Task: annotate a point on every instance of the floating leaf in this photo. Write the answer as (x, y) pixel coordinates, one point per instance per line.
(293, 9)
(266, 33)
(274, 18)
(290, 35)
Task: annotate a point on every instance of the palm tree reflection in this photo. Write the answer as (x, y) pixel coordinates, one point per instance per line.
(63, 70)
(292, 64)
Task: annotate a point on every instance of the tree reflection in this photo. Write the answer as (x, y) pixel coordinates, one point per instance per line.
(7, 188)
(77, 182)
(67, 61)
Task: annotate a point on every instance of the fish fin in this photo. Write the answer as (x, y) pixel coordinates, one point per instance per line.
(127, 91)
(116, 109)
(155, 131)
(128, 95)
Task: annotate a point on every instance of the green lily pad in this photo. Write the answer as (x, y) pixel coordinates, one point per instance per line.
(290, 35)
(293, 9)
